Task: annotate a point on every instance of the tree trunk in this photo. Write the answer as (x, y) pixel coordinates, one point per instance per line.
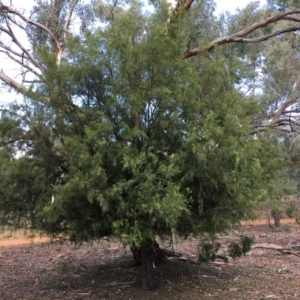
(277, 221)
(149, 282)
(158, 255)
(276, 216)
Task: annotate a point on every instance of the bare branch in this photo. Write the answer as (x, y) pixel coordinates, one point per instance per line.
(291, 18)
(295, 111)
(60, 52)
(289, 121)
(278, 118)
(12, 83)
(277, 248)
(267, 36)
(67, 24)
(240, 36)
(39, 25)
(12, 11)
(259, 129)
(281, 124)
(24, 50)
(16, 23)
(22, 88)
(19, 62)
(10, 50)
(275, 116)
(11, 34)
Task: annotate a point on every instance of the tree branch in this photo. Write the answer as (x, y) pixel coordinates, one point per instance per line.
(22, 88)
(60, 52)
(240, 36)
(181, 7)
(12, 83)
(9, 10)
(11, 141)
(277, 248)
(25, 52)
(9, 53)
(279, 119)
(11, 34)
(279, 127)
(67, 24)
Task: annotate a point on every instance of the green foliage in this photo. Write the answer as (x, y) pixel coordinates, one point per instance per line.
(209, 250)
(282, 5)
(134, 142)
(291, 209)
(237, 250)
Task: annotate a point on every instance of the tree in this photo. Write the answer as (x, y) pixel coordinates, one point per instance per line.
(129, 139)
(269, 69)
(270, 73)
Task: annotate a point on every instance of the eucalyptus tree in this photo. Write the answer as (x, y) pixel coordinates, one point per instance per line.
(128, 138)
(269, 69)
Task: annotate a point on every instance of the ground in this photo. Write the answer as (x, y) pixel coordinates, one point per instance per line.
(105, 270)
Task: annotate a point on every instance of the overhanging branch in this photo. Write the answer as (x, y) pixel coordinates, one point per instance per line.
(241, 36)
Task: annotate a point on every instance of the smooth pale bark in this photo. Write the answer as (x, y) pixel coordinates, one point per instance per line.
(241, 36)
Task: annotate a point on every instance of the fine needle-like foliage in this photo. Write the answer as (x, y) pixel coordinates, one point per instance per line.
(125, 138)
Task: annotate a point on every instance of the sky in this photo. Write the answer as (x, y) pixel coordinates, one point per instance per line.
(232, 5)
(222, 6)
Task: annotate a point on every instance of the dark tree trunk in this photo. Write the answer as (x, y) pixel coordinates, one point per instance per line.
(277, 216)
(277, 221)
(158, 255)
(149, 282)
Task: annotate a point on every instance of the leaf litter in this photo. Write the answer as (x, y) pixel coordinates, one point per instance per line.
(106, 270)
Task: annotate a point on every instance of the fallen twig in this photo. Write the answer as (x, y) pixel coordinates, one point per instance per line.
(276, 248)
(118, 283)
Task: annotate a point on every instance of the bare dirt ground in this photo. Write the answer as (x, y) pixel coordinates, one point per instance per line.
(105, 270)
